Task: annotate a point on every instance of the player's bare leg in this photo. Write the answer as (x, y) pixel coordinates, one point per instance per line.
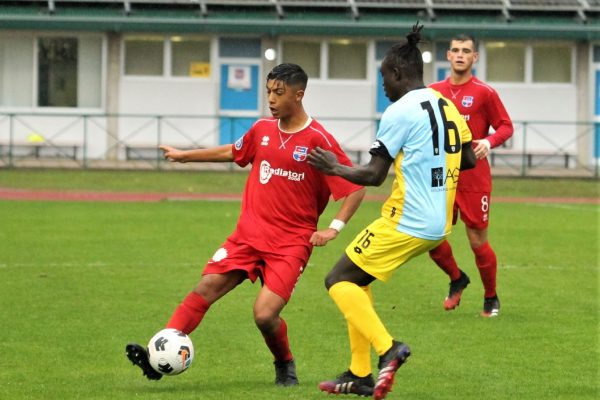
(188, 314)
(267, 308)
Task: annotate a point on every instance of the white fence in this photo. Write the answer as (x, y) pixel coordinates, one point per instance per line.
(541, 148)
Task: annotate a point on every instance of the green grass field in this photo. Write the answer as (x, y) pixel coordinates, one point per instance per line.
(83, 279)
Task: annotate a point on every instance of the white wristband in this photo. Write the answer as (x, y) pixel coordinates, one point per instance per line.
(337, 224)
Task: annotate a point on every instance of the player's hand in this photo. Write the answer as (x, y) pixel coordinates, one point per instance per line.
(320, 238)
(171, 153)
(323, 160)
(482, 148)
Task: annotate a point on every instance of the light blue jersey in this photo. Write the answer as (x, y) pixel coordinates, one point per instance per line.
(423, 133)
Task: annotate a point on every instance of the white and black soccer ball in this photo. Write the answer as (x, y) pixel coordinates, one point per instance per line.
(170, 352)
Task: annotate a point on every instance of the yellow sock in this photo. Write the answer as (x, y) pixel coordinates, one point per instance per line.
(354, 303)
(360, 347)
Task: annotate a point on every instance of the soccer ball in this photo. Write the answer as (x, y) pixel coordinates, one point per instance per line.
(170, 352)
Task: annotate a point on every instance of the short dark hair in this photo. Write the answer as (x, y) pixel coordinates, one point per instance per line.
(406, 56)
(463, 37)
(290, 74)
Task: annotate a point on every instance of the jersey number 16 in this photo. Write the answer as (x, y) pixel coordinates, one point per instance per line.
(450, 146)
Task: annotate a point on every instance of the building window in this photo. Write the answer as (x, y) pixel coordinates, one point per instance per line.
(305, 54)
(69, 71)
(347, 60)
(16, 72)
(144, 56)
(505, 61)
(239, 47)
(148, 56)
(190, 57)
(57, 72)
(89, 72)
(441, 51)
(596, 55)
(381, 49)
(556, 56)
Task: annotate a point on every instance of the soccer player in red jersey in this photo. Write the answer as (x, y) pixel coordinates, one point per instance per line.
(277, 228)
(481, 107)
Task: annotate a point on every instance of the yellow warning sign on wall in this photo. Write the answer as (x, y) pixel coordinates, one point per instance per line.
(199, 70)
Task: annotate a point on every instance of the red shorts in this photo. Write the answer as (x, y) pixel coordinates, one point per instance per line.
(474, 209)
(279, 272)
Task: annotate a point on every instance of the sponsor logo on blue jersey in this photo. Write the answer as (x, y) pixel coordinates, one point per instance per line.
(437, 177)
(444, 179)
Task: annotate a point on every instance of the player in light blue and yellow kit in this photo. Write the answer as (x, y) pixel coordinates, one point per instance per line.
(428, 142)
(423, 134)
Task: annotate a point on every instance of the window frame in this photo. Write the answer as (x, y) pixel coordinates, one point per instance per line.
(573, 60)
(211, 55)
(322, 54)
(167, 66)
(481, 65)
(368, 56)
(324, 72)
(35, 36)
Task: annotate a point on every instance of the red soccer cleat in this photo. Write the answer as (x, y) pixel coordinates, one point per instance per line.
(388, 365)
(456, 289)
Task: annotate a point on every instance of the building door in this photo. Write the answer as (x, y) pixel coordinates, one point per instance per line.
(239, 104)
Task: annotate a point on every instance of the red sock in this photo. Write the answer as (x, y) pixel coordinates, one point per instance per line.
(189, 313)
(279, 344)
(442, 256)
(485, 258)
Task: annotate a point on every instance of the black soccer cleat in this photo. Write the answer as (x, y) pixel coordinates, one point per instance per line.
(139, 356)
(456, 289)
(285, 373)
(348, 383)
(388, 365)
(491, 307)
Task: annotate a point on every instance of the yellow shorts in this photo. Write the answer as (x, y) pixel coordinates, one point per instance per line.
(380, 249)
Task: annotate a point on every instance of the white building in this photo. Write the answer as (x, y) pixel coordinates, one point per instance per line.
(108, 79)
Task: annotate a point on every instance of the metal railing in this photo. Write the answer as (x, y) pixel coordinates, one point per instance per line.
(537, 148)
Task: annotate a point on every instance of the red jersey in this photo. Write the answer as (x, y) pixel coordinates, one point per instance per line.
(284, 196)
(480, 106)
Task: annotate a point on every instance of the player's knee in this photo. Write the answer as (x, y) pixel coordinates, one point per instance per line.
(476, 241)
(265, 321)
(330, 280)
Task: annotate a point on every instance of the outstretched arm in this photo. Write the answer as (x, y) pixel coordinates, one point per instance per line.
(349, 206)
(372, 174)
(214, 154)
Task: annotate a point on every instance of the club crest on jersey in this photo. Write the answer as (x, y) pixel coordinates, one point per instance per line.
(467, 101)
(300, 153)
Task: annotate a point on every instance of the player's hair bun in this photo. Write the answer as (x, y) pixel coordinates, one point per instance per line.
(414, 37)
